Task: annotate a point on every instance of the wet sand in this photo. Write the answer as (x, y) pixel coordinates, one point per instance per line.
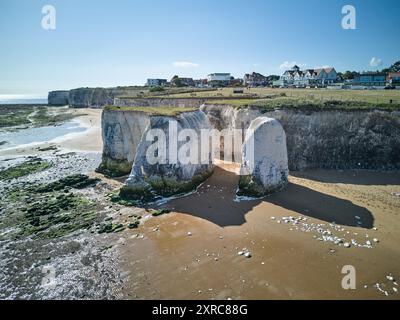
(90, 140)
(164, 262)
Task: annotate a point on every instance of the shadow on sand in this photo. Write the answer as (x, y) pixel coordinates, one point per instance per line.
(356, 177)
(214, 202)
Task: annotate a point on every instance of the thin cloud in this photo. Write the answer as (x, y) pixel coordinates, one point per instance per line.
(375, 62)
(323, 67)
(290, 64)
(185, 64)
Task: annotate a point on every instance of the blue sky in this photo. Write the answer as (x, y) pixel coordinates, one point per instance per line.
(121, 42)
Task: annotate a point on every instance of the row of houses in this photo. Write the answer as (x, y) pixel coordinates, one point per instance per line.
(213, 79)
(376, 79)
(308, 77)
(328, 76)
(294, 77)
(255, 79)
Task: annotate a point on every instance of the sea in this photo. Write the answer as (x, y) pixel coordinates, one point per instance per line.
(34, 135)
(22, 99)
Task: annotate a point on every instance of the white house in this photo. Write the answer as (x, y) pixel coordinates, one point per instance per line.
(254, 79)
(219, 77)
(325, 75)
(156, 82)
(297, 77)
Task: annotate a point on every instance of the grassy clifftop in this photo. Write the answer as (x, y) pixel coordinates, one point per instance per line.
(153, 111)
(270, 98)
(307, 103)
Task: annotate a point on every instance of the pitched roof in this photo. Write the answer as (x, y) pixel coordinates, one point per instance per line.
(219, 74)
(318, 71)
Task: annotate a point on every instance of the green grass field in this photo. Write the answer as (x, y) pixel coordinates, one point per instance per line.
(371, 96)
(154, 111)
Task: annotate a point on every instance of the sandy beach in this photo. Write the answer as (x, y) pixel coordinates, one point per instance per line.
(192, 253)
(89, 140)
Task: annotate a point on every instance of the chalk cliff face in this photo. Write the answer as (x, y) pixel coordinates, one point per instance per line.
(122, 133)
(168, 177)
(91, 97)
(150, 179)
(58, 98)
(97, 97)
(264, 166)
(341, 139)
(330, 139)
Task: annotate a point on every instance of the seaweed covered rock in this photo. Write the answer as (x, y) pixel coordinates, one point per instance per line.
(265, 162)
(31, 166)
(76, 181)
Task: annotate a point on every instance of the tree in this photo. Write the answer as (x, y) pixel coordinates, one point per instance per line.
(270, 79)
(395, 67)
(349, 75)
(157, 89)
(175, 81)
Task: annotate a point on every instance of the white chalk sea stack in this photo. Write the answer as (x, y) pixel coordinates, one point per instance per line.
(170, 178)
(264, 158)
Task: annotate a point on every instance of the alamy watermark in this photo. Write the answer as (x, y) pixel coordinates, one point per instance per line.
(49, 17)
(198, 147)
(49, 278)
(349, 21)
(349, 280)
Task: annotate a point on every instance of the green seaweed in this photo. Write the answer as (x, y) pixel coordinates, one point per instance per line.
(114, 168)
(77, 181)
(156, 187)
(249, 187)
(160, 212)
(45, 211)
(110, 228)
(31, 166)
(134, 224)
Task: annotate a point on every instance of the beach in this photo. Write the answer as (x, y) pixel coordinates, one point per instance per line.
(209, 244)
(89, 140)
(286, 262)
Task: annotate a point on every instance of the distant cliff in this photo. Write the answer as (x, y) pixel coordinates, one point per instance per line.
(58, 98)
(90, 97)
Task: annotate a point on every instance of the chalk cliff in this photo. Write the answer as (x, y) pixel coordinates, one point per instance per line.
(122, 132)
(58, 98)
(90, 97)
(166, 178)
(264, 168)
(315, 138)
(329, 139)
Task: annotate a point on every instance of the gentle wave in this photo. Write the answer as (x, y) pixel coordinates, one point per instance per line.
(34, 136)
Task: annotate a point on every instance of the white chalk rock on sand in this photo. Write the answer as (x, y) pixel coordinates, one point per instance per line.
(264, 158)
